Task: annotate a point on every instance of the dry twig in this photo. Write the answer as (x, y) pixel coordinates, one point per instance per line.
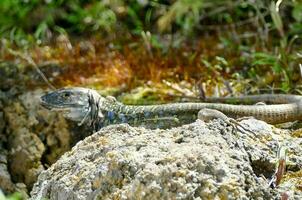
(30, 61)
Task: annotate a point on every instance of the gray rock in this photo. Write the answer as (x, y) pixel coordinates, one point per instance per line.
(32, 136)
(195, 161)
(2, 123)
(6, 183)
(29, 132)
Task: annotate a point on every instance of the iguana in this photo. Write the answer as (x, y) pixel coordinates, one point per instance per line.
(86, 106)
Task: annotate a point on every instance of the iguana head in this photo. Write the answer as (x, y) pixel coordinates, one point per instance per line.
(77, 104)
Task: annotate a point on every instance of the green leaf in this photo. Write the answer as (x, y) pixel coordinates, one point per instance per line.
(261, 58)
(276, 18)
(297, 12)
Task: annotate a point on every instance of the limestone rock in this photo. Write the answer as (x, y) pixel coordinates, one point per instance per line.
(30, 131)
(6, 183)
(195, 161)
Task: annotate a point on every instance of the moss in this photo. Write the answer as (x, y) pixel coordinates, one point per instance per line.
(141, 95)
(295, 178)
(297, 133)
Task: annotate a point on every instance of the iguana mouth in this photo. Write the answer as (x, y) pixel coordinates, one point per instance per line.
(57, 107)
(50, 106)
(46, 105)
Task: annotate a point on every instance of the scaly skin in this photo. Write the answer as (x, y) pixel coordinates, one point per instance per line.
(87, 106)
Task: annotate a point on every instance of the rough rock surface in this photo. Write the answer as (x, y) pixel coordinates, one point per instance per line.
(6, 183)
(32, 137)
(26, 133)
(195, 161)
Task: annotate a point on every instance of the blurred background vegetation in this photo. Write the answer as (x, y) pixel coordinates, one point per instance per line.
(229, 46)
(39, 20)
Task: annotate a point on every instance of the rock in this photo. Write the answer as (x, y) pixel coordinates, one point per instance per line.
(10, 75)
(32, 137)
(21, 189)
(2, 123)
(6, 184)
(195, 161)
(22, 77)
(33, 134)
(25, 155)
(263, 149)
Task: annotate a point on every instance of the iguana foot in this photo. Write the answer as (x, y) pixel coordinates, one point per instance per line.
(207, 115)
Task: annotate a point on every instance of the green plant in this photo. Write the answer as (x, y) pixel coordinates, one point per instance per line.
(43, 18)
(14, 196)
(185, 13)
(296, 27)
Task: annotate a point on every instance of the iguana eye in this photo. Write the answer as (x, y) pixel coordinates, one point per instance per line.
(66, 94)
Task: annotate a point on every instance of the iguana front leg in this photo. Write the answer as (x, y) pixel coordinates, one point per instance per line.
(207, 115)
